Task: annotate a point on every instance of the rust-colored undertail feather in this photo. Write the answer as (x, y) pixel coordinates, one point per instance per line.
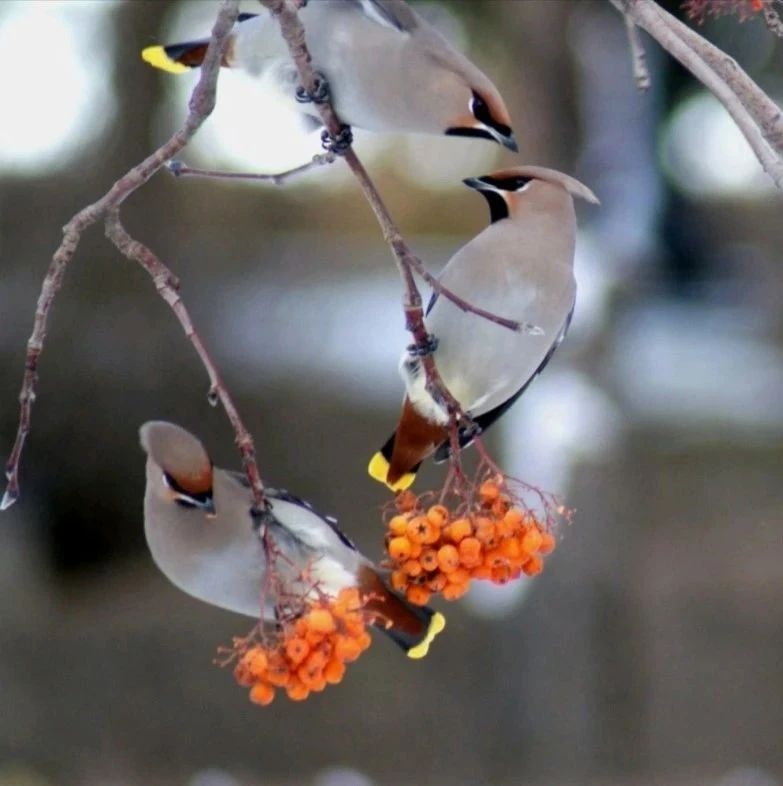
(411, 627)
(177, 58)
(415, 439)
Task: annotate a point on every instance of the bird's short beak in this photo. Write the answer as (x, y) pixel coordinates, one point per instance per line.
(510, 142)
(477, 183)
(209, 508)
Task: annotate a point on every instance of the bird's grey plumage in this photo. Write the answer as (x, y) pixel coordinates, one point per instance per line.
(521, 268)
(388, 68)
(221, 559)
(204, 536)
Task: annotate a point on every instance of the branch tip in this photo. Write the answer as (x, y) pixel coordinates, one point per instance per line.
(9, 497)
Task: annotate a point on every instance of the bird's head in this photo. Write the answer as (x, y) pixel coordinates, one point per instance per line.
(183, 467)
(508, 190)
(486, 117)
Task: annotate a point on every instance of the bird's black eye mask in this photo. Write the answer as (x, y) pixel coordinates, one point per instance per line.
(490, 187)
(480, 110)
(507, 183)
(187, 499)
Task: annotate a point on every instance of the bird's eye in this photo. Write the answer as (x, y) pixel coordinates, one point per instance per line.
(170, 483)
(482, 113)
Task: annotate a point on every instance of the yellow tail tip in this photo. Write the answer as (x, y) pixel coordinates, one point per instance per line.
(378, 469)
(156, 56)
(437, 624)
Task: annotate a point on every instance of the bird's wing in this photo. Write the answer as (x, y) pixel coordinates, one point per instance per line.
(389, 13)
(433, 300)
(330, 521)
(286, 496)
(484, 421)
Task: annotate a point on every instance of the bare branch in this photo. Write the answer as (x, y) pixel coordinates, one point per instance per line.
(764, 111)
(638, 57)
(202, 102)
(294, 34)
(168, 288)
(756, 115)
(178, 169)
(528, 328)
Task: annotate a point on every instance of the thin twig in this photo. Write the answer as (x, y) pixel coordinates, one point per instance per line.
(764, 111)
(638, 57)
(758, 117)
(178, 169)
(527, 328)
(167, 286)
(293, 32)
(202, 102)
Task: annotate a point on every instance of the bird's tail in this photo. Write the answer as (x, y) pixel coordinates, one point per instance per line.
(381, 468)
(411, 627)
(416, 437)
(177, 58)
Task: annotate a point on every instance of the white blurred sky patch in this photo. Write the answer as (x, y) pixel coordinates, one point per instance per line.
(345, 336)
(254, 129)
(561, 420)
(341, 776)
(213, 777)
(58, 56)
(496, 601)
(706, 155)
(693, 366)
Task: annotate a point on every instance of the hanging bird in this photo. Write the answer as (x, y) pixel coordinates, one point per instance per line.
(520, 267)
(202, 536)
(386, 68)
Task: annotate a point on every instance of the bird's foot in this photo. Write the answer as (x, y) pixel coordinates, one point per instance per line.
(469, 432)
(262, 517)
(320, 93)
(426, 348)
(338, 143)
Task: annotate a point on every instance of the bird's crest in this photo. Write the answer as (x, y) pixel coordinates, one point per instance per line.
(180, 455)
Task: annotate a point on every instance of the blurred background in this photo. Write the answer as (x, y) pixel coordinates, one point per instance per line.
(649, 651)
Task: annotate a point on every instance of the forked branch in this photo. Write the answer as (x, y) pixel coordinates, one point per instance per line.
(202, 102)
(757, 116)
(293, 32)
(167, 285)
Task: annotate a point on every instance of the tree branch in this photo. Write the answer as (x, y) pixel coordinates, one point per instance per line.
(758, 117)
(167, 286)
(201, 104)
(293, 32)
(638, 57)
(764, 111)
(178, 169)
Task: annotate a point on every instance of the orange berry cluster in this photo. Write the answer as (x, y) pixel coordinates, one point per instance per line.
(310, 653)
(431, 552)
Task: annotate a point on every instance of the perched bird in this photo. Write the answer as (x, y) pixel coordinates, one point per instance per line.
(199, 528)
(387, 69)
(519, 267)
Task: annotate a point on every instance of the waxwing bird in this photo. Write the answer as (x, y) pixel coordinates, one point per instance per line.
(519, 267)
(387, 69)
(199, 528)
